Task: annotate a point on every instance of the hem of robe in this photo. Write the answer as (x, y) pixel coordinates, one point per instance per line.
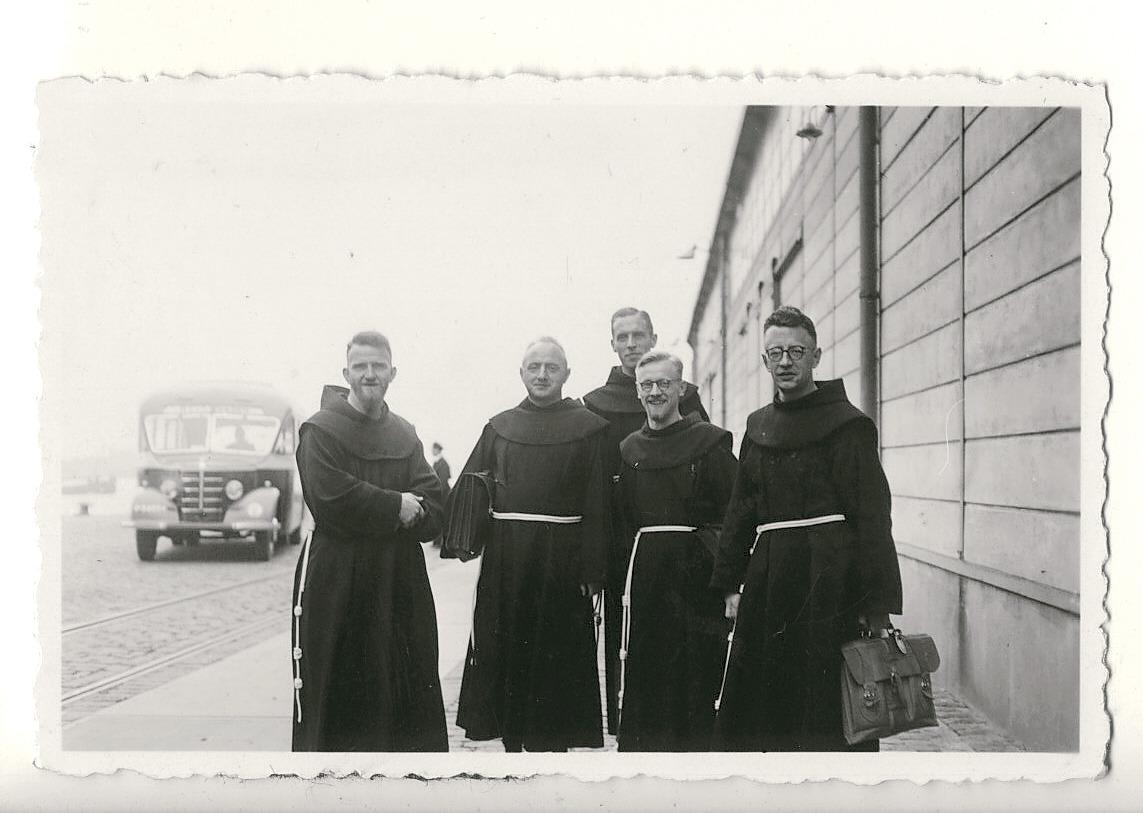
(544, 742)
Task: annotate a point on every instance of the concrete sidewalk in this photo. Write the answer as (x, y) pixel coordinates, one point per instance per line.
(244, 702)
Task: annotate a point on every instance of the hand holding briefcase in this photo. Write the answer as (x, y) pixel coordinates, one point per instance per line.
(886, 686)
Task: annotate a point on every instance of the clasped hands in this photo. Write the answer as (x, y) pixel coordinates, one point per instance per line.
(411, 509)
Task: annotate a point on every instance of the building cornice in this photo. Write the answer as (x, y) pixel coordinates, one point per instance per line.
(754, 120)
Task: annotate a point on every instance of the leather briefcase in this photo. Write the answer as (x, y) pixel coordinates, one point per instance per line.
(468, 516)
(886, 686)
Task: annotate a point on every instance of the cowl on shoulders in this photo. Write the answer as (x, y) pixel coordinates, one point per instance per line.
(389, 437)
(563, 422)
(681, 442)
(810, 419)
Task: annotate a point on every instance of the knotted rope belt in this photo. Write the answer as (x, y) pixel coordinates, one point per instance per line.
(761, 529)
(625, 637)
(510, 516)
(298, 626)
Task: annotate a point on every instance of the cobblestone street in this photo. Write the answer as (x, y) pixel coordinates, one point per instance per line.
(102, 577)
(961, 728)
(245, 606)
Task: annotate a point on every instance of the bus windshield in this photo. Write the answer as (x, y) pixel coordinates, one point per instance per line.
(188, 430)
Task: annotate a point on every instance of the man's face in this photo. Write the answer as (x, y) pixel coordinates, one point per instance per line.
(658, 385)
(630, 339)
(544, 371)
(793, 377)
(368, 371)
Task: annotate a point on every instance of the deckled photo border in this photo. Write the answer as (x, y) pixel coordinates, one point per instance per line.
(1088, 761)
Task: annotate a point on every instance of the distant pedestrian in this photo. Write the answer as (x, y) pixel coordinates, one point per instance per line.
(531, 677)
(365, 628)
(673, 489)
(617, 401)
(444, 474)
(807, 540)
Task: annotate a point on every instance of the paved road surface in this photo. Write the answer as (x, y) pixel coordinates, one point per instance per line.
(102, 577)
(236, 694)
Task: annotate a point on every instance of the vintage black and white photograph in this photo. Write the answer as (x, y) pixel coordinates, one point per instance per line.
(691, 429)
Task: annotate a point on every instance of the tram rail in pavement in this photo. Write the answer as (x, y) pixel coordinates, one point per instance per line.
(244, 702)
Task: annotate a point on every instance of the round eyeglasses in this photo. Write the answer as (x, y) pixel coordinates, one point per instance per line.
(795, 351)
(663, 384)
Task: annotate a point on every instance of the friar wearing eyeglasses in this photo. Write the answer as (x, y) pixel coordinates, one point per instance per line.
(674, 485)
(632, 335)
(531, 677)
(806, 559)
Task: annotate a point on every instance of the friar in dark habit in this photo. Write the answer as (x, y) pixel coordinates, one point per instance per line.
(806, 559)
(365, 628)
(673, 489)
(531, 677)
(632, 335)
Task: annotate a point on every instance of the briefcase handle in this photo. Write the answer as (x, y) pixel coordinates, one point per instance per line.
(888, 632)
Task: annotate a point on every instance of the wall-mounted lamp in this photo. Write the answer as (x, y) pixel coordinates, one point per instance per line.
(809, 130)
(813, 115)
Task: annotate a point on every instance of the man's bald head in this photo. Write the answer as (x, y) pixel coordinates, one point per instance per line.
(547, 340)
(544, 371)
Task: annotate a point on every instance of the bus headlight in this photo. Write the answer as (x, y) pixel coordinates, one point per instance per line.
(233, 490)
(169, 488)
(254, 510)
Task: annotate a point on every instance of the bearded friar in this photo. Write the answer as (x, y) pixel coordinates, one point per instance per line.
(364, 623)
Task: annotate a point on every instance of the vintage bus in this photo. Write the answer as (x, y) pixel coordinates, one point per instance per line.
(217, 461)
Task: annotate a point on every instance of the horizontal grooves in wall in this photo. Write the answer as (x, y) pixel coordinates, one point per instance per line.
(1051, 596)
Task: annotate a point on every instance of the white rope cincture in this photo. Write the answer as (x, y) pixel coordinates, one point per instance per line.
(297, 653)
(625, 636)
(793, 523)
(518, 516)
(472, 627)
(512, 516)
(758, 531)
(597, 615)
(726, 664)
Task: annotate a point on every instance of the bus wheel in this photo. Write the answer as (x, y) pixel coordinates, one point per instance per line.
(145, 543)
(264, 546)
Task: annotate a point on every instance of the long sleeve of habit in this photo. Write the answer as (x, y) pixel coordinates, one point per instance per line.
(353, 507)
(864, 491)
(596, 516)
(714, 483)
(737, 529)
(423, 482)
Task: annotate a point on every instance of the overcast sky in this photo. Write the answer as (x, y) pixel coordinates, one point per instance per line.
(243, 230)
